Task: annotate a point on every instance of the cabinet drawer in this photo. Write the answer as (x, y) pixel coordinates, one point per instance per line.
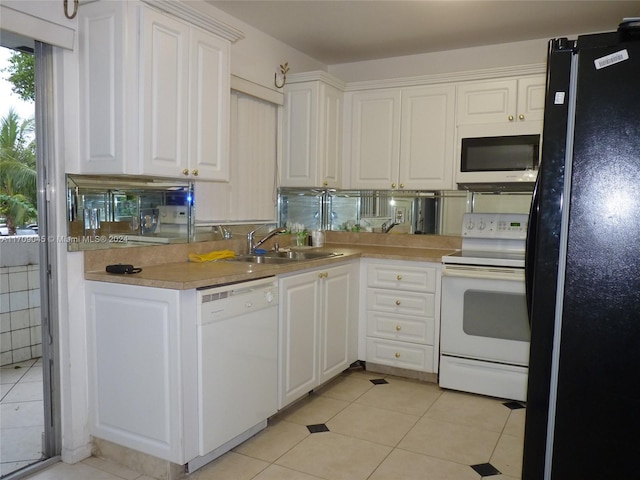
(407, 303)
(406, 328)
(401, 277)
(401, 355)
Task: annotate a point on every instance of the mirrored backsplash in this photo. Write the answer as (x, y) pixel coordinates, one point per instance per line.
(112, 211)
(127, 211)
(391, 211)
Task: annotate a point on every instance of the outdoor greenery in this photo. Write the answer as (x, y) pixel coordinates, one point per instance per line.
(21, 70)
(18, 178)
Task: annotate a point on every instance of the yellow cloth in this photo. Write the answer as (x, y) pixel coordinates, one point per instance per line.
(211, 256)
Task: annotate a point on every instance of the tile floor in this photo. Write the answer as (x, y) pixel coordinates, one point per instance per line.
(398, 430)
(21, 415)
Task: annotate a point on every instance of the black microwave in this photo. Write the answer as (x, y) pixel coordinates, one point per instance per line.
(499, 159)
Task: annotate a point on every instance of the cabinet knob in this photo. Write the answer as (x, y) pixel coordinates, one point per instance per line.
(195, 172)
(511, 118)
(402, 185)
(185, 172)
(398, 302)
(393, 185)
(397, 355)
(521, 116)
(325, 183)
(399, 277)
(323, 275)
(398, 328)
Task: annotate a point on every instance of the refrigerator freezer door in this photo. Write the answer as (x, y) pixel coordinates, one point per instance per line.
(589, 373)
(542, 254)
(599, 352)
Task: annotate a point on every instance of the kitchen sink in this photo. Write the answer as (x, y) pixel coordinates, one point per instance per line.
(283, 257)
(297, 255)
(259, 259)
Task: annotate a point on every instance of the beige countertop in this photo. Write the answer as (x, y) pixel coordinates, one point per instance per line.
(185, 275)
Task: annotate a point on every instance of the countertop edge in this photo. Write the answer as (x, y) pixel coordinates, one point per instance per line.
(186, 275)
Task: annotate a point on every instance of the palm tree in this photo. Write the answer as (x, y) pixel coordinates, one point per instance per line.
(18, 180)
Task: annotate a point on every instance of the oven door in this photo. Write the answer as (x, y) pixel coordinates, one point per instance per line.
(484, 314)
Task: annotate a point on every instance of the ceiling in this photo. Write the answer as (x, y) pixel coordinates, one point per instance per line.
(334, 32)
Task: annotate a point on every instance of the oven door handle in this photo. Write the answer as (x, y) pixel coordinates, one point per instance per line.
(490, 273)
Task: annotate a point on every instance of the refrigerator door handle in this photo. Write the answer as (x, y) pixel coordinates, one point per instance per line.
(529, 259)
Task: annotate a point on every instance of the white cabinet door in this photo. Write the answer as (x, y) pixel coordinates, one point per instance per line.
(318, 328)
(375, 139)
(312, 154)
(403, 138)
(338, 338)
(498, 101)
(427, 138)
(209, 107)
(531, 95)
(102, 86)
(299, 328)
(164, 88)
(487, 102)
(330, 137)
(142, 364)
(301, 117)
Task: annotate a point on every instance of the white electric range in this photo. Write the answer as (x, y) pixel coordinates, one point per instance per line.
(484, 345)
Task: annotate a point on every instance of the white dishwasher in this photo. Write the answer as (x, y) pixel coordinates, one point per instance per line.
(237, 364)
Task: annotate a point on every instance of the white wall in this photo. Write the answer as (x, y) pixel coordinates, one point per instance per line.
(477, 58)
(257, 57)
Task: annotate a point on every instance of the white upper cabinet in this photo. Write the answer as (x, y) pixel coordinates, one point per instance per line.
(164, 88)
(312, 154)
(427, 138)
(403, 138)
(154, 94)
(501, 101)
(375, 139)
(209, 101)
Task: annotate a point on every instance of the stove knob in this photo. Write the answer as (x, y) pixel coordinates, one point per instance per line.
(482, 225)
(470, 225)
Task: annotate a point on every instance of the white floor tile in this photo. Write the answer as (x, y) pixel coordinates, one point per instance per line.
(24, 392)
(22, 414)
(434, 431)
(78, 471)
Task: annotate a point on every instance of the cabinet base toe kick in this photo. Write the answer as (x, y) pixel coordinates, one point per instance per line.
(201, 461)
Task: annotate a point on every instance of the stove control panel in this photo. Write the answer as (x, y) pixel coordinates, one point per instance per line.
(495, 225)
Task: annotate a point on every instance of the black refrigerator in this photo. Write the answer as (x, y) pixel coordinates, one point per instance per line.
(583, 265)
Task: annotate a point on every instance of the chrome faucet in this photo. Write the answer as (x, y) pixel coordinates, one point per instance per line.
(273, 232)
(387, 228)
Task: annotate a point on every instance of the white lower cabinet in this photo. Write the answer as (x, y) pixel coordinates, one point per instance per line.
(318, 328)
(142, 365)
(402, 304)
